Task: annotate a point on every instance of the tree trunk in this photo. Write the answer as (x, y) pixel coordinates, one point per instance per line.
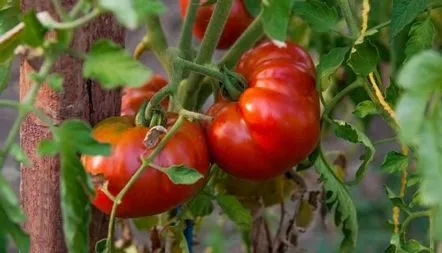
(40, 193)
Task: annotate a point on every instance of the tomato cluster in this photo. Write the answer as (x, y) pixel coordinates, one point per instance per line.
(272, 126)
(275, 123)
(153, 192)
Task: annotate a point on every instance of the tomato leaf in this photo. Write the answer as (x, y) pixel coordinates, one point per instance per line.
(19, 155)
(112, 66)
(404, 12)
(201, 205)
(275, 18)
(11, 216)
(328, 65)
(5, 69)
(350, 133)
(365, 108)
(396, 200)
(236, 212)
(34, 31)
(317, 14)
(419, 77)
(148, 222)
(392, 93)
(339, 199)
(253, 7)
(8, 42)
(421, 37)
(364, 58)
(55, 81)
(394, 162)
(75, 185)
(100, 246)
(47, 148)
(180, 174)
(413, 246)
(130, 13)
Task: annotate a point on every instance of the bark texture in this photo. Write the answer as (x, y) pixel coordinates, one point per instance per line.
(82, 99)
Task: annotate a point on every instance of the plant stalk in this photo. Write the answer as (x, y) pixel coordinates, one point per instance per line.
(185, 40)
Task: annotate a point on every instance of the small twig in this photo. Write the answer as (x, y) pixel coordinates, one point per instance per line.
(76, 23)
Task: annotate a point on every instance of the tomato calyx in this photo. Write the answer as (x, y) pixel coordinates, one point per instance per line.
(233, 85)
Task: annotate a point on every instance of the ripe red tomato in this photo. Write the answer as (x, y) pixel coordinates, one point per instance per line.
(237, 22)
(275, 123)
(133, 97)
(153, 192)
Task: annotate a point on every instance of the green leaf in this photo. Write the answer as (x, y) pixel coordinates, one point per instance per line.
(201, 205)
(392, 93)
(5, 69)
(112, 66)
(253, 7)
(413, 246)
(19, 155)
(394, 162)
(11, 216)
(350, 133)
(422, 73)
(410, 114)
(365, 108)
(100, 246)
(275, 17)
(180, 174)
(130, 13)
(34, 31)
(364, 58)
(317, 14)
(180, 243)
(55, 81)
(8, 42)
(236, 212)
(396, 200)
(47, 148)
(75, 185)
(339, 199)
(148, 222)
(429, 163)
(329, 63)
(404, 12)
(421, 37)
(437, 220)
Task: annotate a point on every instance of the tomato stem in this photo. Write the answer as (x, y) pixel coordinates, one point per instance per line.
(247, 40)
(188, 65)
(349, 17)
(185, 40)
(208, 46)
(155, 102)
(142, 47)
(76, 23)
(158, 42)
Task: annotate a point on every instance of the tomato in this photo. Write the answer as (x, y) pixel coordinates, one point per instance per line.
(275, 123)
(251, 193)
(237, 22)
(133, 97)
(153, 192)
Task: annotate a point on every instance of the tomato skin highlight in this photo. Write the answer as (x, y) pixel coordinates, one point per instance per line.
(275, 124)
(153, 192)
(133, 97)
(237, 22)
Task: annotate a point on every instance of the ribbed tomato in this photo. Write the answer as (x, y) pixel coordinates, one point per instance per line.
(133, 97)
(153, 192)
(275, 123)
(237, 22)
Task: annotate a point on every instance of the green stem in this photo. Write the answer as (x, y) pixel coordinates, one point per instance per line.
(75, 11)
(158, 42)
(188, 65)
(349, 17)
(145, 164)
(194, 115)
(412, 217)
(328, 108)
(378, 27)
(185, 40)
(76, 23)
(208, 46)
(9, 103)
(27, 105)
(59, 10)
(155, 101)
(247, 40)
(384, 140)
